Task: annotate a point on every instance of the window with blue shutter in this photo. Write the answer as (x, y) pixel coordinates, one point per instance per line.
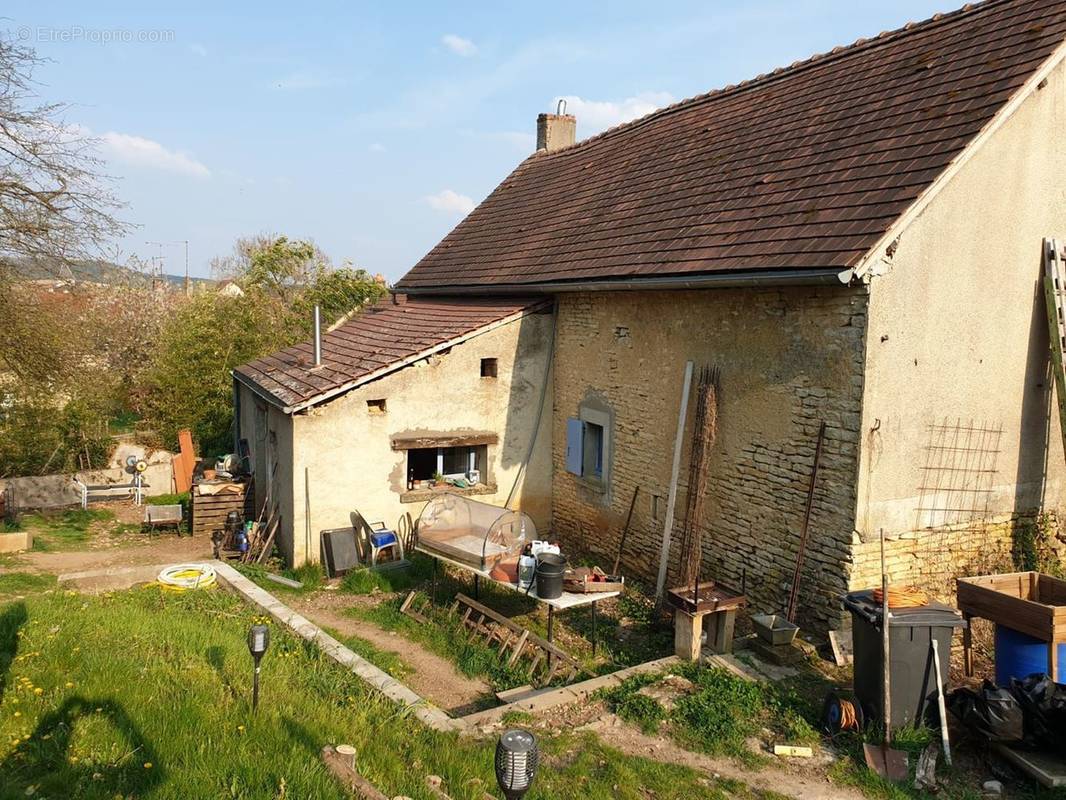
(575, 439)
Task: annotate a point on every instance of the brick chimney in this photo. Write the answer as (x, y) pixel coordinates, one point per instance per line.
(556, 131)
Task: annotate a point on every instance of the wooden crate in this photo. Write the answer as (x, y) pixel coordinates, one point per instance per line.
(209, 511)
(1028, 602)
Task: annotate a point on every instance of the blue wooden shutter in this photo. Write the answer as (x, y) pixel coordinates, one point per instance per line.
(574, 444)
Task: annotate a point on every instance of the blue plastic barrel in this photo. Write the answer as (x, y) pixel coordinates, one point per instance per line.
(1019, 655)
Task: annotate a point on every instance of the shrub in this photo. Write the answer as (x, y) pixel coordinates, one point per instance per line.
(39, 438)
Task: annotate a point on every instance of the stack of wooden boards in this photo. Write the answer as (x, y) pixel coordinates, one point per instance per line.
(184, 462)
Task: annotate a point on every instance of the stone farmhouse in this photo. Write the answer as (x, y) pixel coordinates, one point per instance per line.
(855, 239)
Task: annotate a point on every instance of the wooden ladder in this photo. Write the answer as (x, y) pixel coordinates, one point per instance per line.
(1055, 303)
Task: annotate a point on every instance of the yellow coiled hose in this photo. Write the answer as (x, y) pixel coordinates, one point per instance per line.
(183, 577)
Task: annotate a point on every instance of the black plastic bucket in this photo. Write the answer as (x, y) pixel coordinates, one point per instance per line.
(550, 569)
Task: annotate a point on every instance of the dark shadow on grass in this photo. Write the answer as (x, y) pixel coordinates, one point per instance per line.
(11, 621)
(303, 736)
(215, 656)
(45, 763)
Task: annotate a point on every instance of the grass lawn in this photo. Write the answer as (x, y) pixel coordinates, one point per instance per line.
(21, 583)
(619, 645)
(67, 530)
(146, 694)
(73, 529)
(721, 714)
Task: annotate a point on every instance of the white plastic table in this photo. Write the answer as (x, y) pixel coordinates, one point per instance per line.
(564, 601)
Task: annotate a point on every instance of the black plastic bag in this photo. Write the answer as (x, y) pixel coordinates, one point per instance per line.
(992, 712)
(1043, 704)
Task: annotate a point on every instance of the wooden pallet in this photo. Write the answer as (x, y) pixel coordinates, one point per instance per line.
(209, 511)
(546, 661)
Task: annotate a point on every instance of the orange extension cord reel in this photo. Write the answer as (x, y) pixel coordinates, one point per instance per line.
(902, 597)
(840, 715)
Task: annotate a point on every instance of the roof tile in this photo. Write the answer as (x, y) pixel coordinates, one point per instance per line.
(805, 167)
(383, 335)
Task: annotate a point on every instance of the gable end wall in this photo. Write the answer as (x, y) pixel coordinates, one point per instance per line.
(958, 335)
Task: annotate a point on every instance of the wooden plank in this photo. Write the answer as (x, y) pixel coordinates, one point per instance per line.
(1021, 615)
(443, 440)
(1052, 591)
(1048, 769)
(343, 768)
(671, 502)
(520, 645)
(184, 462)
(1053, 304)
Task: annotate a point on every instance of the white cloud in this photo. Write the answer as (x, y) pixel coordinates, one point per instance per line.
(140, 152)
(198, 50)
(303, 79)
(458, 45)
(450, 201)
(523, 142)
(594, 116)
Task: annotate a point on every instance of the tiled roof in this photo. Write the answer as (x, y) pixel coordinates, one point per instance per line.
(806, 167)
(381, 338)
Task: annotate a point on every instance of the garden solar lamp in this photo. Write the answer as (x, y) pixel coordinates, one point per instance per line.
(516, 763)
(258, 642)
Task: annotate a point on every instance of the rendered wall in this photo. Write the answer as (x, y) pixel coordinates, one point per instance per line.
(347, 450)
(789, 358)
(958, 335)
(269, 435)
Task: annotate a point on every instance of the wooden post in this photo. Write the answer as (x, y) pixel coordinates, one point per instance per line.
(720, 633)
(687, 631)
(668, 524)
(343, 768)
(967, 645)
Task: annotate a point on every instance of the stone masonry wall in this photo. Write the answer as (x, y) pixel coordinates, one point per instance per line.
(789, 358)
(933, 558)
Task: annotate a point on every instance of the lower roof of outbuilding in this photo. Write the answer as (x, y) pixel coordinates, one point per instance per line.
(378, 340)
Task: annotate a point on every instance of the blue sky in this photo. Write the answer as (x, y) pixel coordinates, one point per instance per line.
(372, 129)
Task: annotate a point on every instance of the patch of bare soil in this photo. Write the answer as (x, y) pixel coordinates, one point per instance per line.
(801, 778)
(431, 676)
(159, 549)
(798, 778)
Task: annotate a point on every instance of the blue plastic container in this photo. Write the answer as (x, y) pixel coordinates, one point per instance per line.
(1019, 655)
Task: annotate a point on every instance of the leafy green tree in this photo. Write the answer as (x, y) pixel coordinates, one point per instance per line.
(188, 383)
(337, 292)
(37, 438)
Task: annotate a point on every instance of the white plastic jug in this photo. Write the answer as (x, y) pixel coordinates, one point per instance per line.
(537, 547)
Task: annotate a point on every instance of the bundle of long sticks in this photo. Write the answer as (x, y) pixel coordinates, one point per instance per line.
(704, 434)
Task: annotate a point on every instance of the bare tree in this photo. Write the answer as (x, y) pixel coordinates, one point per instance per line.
(55, 203)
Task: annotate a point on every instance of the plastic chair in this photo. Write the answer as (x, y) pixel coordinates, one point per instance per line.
(382, 539)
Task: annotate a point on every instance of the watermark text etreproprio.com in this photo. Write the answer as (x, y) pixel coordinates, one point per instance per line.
(79, 33)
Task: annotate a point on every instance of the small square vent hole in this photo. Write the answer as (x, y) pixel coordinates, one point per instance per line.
(375, 406)
(489, 368)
